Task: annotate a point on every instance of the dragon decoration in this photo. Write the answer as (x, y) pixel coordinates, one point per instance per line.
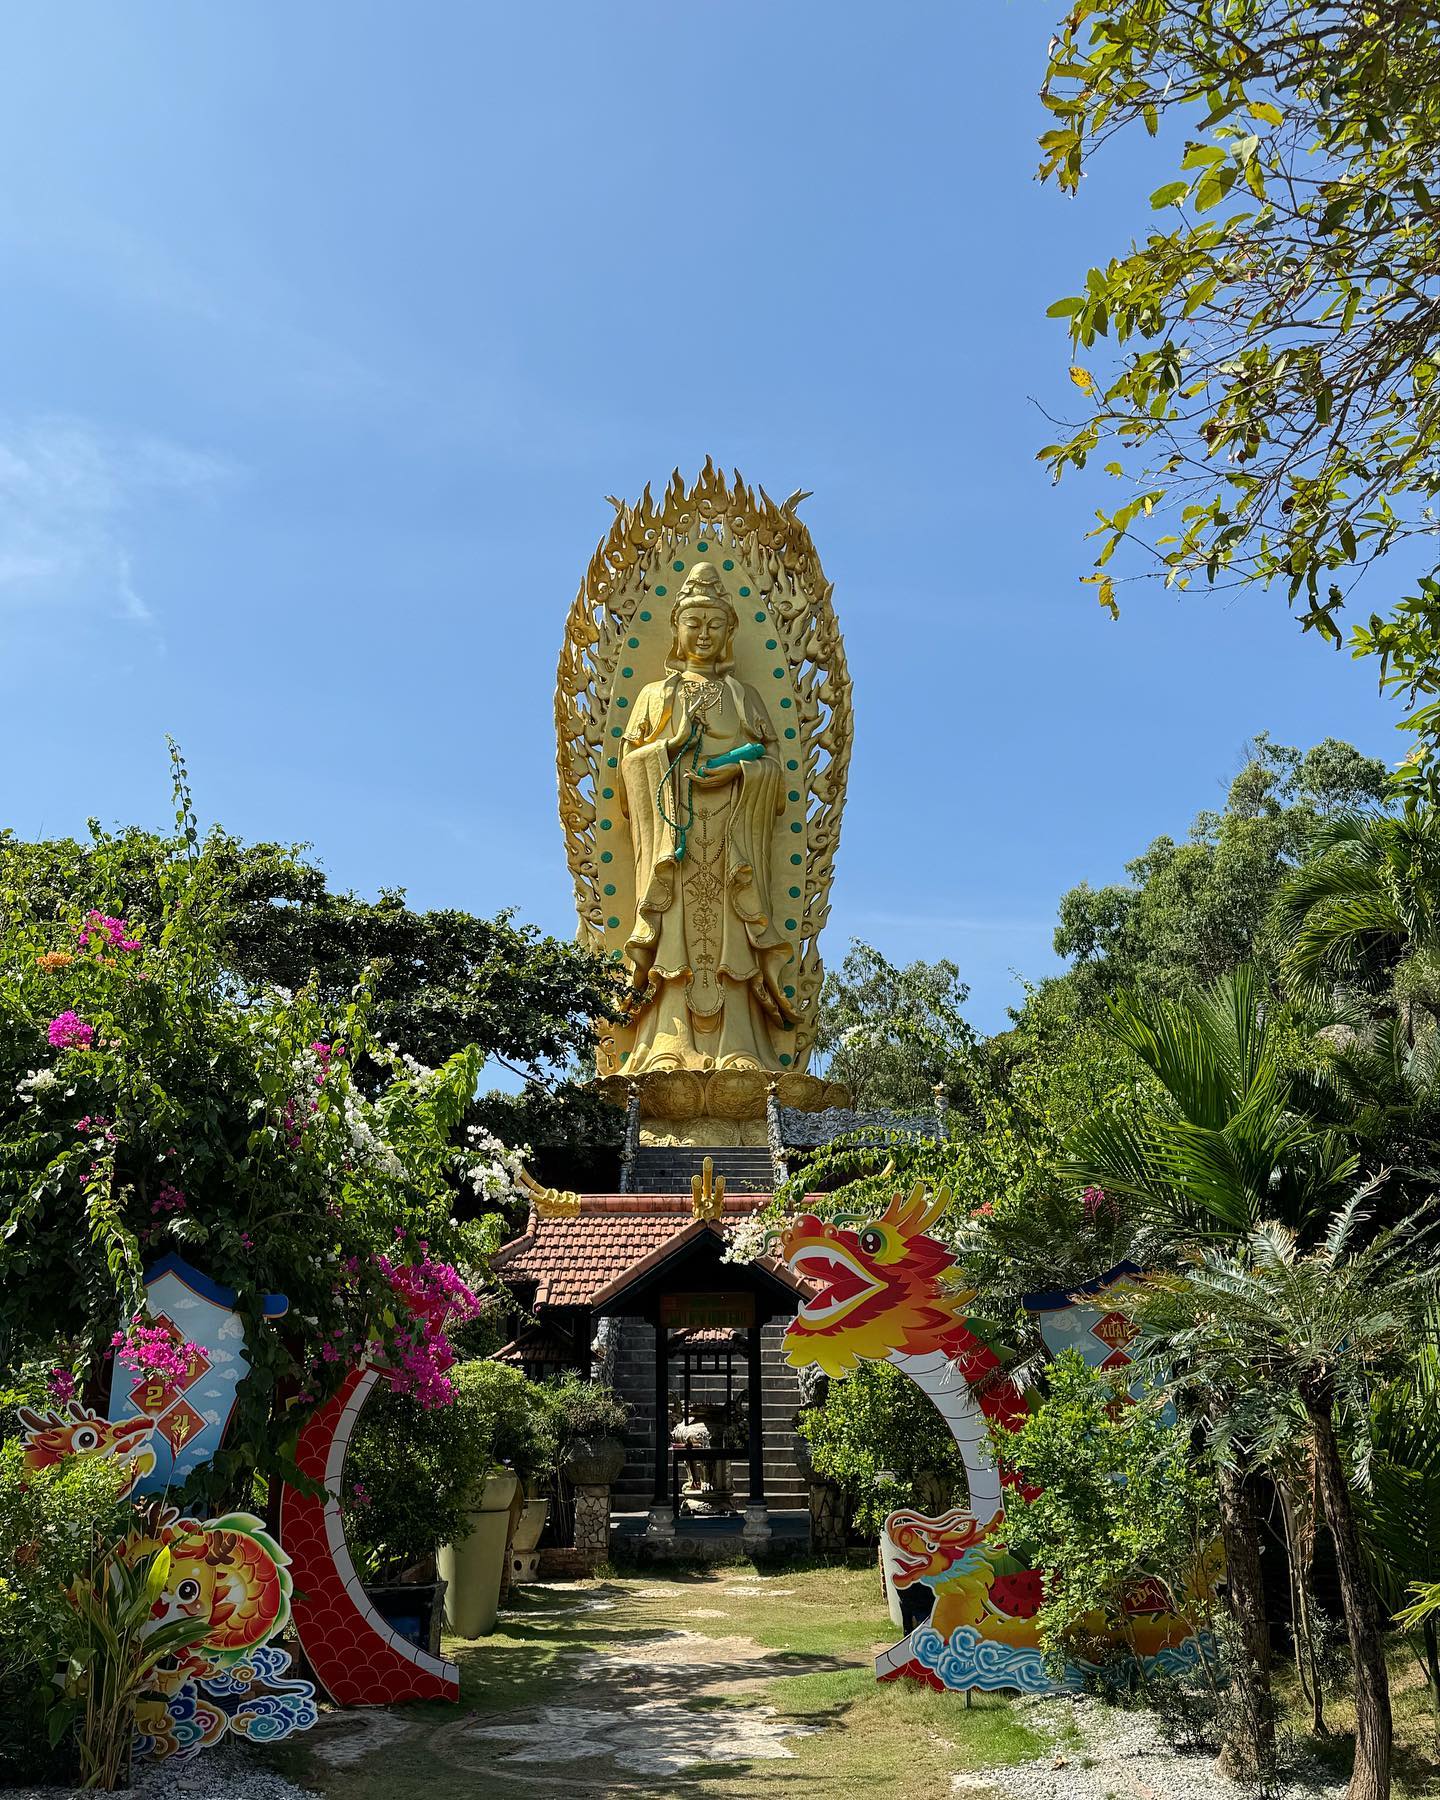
(228, 1572)
(884, 1291)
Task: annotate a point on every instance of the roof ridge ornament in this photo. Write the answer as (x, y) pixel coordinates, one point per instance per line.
(549, 1203)
(707, 1191)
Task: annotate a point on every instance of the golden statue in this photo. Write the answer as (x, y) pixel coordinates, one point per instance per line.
(703, 789)
(703, 711)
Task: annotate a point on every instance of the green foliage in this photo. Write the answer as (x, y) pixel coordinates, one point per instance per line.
(437, 981)
(1224, 1146)
(1193, 912)
(292, 1177)
(55, 1525)
(876, 1421)
(1272, 403)
(585, 1409)
(892, 1034)
(1123, 1502)
(411, 1474)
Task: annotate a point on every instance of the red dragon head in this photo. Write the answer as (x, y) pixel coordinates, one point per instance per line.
(52, 1436)
(880, 1286)
(933, 1548)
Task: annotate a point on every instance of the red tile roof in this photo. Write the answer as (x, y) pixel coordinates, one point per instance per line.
(572, 1260)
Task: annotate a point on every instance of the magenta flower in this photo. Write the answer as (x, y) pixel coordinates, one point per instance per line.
(114, 932)
(153, 1350)
(60, 1385)
(69, 1032)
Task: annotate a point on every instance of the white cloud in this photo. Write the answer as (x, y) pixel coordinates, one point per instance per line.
(70, 496)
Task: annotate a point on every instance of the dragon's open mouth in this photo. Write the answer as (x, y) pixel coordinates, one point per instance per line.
(845, 1283)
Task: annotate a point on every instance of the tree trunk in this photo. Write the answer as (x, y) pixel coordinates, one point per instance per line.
(1373, 1727)
(1249, 1749)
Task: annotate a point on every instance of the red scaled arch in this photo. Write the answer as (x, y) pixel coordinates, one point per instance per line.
(353, 1652)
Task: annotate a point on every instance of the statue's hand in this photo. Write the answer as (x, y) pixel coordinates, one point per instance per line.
(709, 778)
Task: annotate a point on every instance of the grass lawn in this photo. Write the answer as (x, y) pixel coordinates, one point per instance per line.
(702, 1656)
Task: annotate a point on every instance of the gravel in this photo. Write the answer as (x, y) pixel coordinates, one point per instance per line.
(1101, 1753)
(221, 1774)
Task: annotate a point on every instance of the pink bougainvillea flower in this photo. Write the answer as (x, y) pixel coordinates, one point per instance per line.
(70, 1032)
(61, 1385)
(153, 1350)
(435, 1297)
(114, 932)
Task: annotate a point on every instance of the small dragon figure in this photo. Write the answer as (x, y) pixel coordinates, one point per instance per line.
(76, 1431)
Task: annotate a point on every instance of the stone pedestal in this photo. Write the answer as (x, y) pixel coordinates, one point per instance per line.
(592, 1523)
(661, 1522)
(756, 1531)
(827, 1519)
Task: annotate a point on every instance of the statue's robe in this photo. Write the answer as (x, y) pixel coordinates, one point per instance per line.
(704, 934)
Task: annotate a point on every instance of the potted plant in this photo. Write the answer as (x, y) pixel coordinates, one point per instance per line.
(517, 1419)
(591, 1426)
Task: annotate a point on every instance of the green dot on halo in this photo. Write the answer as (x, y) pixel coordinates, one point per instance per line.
(677, 566)
(792, 764)
(789, 993)
(633, 643)
(785, 1060)
(789, 731)
(622, 701)
(613, 762)
(605, 824)
(744, 593)
(795, 856)
(759, 618)
(702, 545)
(794, 893)
(609, 887)
(795, 826)
(727, 564)
(615, 956)
(615, 731)
(784, 702)
(794, 793)
(607, 856)
(791, 925)
(614, 924)
(609, 794)
(625, 674)
(770, 644)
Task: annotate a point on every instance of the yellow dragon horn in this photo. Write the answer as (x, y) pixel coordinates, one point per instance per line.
(914, 1213)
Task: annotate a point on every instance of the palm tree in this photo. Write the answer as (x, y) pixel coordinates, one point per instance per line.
(1365, 903)
(1400, 1496)
(1281, 1327)
(1217, 1149)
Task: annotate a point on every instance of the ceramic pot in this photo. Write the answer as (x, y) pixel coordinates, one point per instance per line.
(474, 1565)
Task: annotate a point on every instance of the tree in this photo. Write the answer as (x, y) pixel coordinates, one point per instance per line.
(1193, 912)
(437, 981)
(1363, 914)
(1282, 1329)
(891, 1035)
(1273, 405)
(147, 1104)
(1215, 1150)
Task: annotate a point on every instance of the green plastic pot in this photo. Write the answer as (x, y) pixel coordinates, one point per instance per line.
(473, 1565)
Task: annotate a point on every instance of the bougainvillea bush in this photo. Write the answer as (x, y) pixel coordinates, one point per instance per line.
(150, 1102)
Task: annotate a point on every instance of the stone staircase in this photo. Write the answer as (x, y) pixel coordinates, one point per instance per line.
(669, 1168)
(785, 1489)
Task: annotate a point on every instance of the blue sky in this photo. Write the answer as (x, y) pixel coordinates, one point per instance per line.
(327, 329)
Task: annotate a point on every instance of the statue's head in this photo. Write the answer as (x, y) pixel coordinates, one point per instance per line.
(702, 621)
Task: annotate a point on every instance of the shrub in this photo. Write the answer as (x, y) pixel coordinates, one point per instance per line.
(56, 1525)
(873, 1421)
(586, 1409)
(411, 1474)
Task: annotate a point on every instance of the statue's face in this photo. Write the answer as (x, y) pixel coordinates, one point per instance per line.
(702, 632)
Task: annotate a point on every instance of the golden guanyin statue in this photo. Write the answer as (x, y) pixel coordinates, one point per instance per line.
(703, 709)
(703, 789)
